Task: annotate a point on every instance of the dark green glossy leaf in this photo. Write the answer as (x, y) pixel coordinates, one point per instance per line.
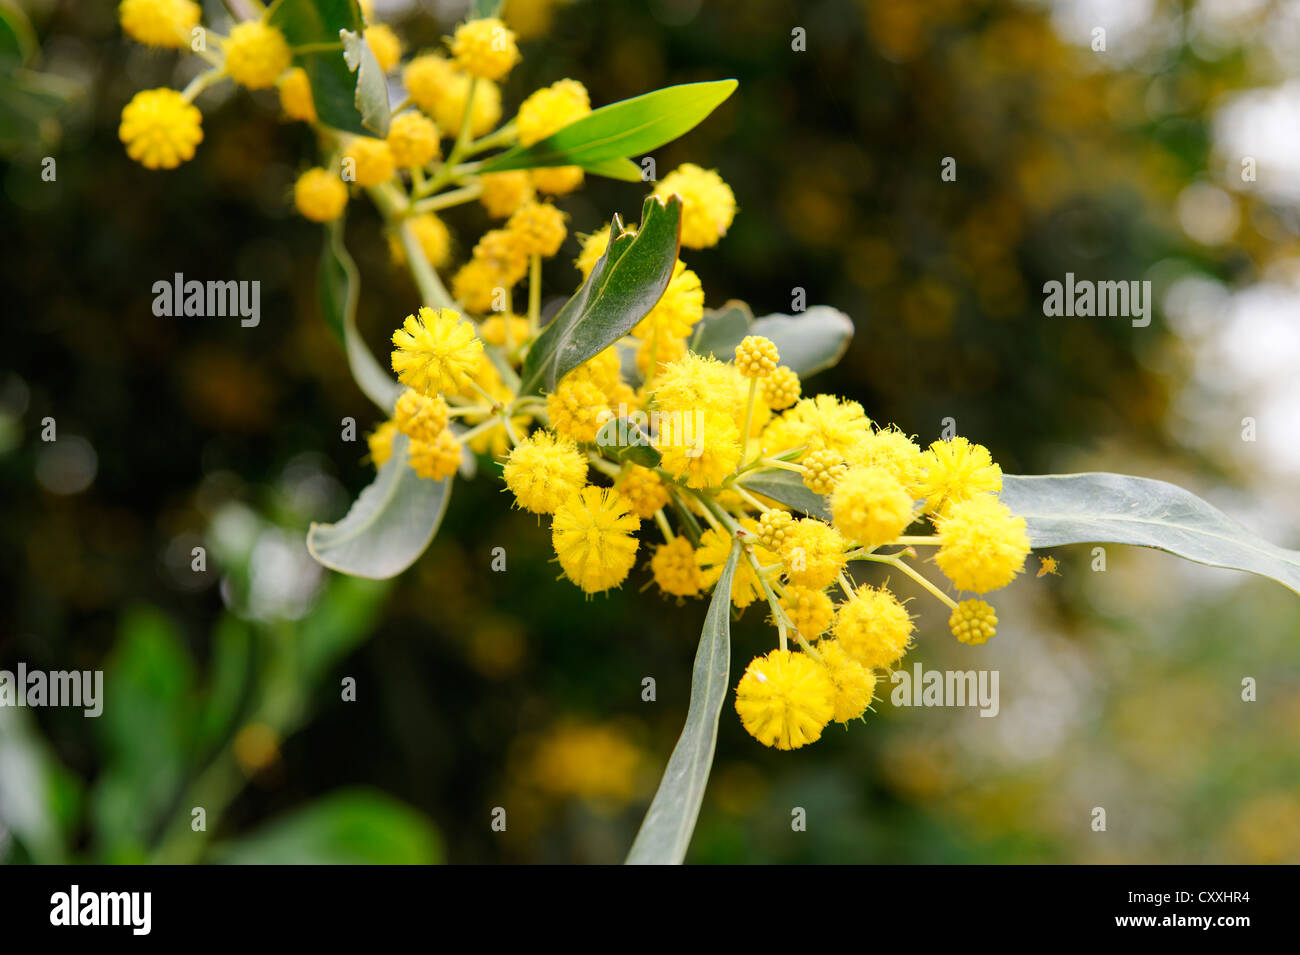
(624, 285)
(388, 526)
(666, 831)
(312, 29)
(1101, 508)
(627, 128)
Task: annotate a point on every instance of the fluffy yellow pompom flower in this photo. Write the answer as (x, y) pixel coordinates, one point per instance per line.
(165, 23)
(973, 622)
(538, 227)
(823, 469)
(678, 309)
(674, 568)
(504, 192)
(440, 89)
(712, 555)
(504, 252)
(550, 109)
(432, 234)
(855, 685)
(475, 285)
(543, 470)
(368, 161)
(814, 554)
(575, 408)
(708, 204)
(982, 544)
(385, 45)
(870, 506)
(873, 627)
(780, 389)
(756, 356)
(160, 128)
(437, 459)
(700, 447)
(436, 351)
(592, 534)
(413, 140)
(420, 417)
(785, 699)
(811, 611)
(557, 180)
(825, 421)
(320, 195)
(505, 330)
(891, 450)
(256, 54)
(956, 470)
(696, 381)
(485, 48)
(644, 489)
(380, 442)
(295, 96)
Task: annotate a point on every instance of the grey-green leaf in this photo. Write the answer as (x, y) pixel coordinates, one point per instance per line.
(787, 488)
(339, 286)
(371, 97)
(624, 285)
(1107, 508)
(666, 831)
(627, 128)
(388, 526)
(628, 441)
(808, 342)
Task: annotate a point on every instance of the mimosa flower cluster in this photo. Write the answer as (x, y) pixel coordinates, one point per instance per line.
(722, 425)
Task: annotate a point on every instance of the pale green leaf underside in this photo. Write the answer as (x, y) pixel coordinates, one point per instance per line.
(389, 524)
(809, 342)
(1102, 508)
(666, 831)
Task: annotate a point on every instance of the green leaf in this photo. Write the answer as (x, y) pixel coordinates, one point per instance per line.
(371, 99)
(1101, 508)
(312, 29)
(787, 488)
(353, 827)
(629, 442)
(338, 285)
(36, 790)
(809, 342)
(623, 169)
(721, 330)
(666, 831)
(624, 285)
(17, 38)
(627, 128)
(482, 9)
(388, 526)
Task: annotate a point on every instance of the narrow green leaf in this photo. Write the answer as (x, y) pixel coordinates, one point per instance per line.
(627, 128)
(371, 98)
(338, 285)
(622, 169)
(787, 488)
(666, 831)
(309, 25)
(388, 526)
(1102, 508)
(482, 9)
(624, 285)
(17, 38)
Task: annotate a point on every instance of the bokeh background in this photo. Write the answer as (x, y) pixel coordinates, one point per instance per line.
(475, 690)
